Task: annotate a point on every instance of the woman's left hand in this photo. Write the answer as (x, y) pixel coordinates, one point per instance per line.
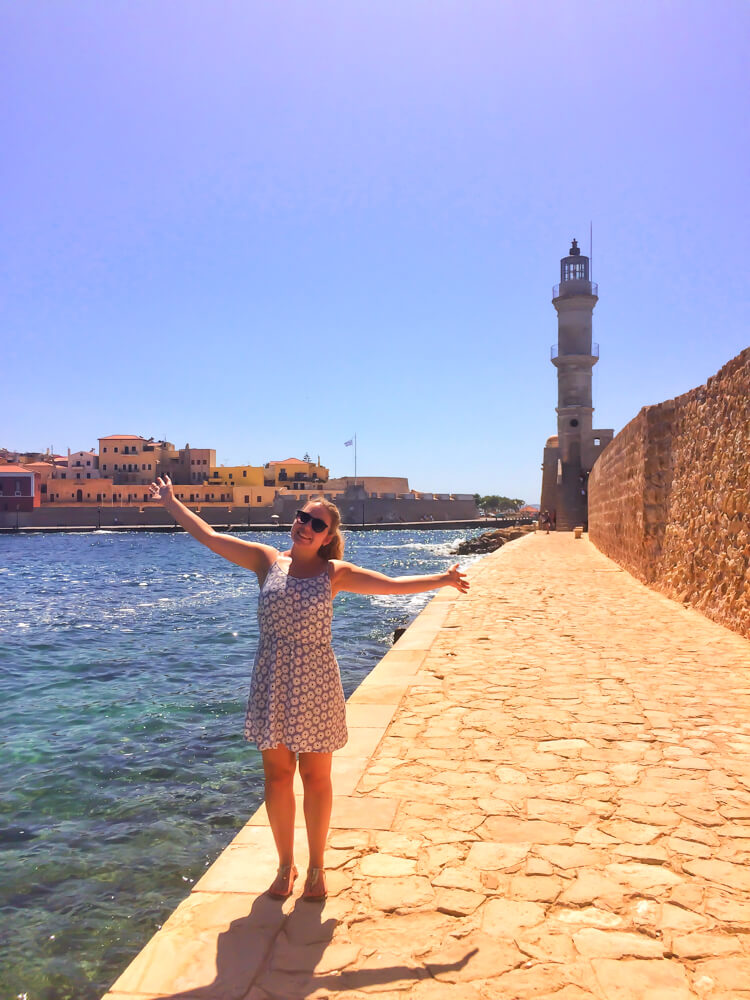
(455, 578)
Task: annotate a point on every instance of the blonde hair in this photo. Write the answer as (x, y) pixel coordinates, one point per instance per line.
(335, 548)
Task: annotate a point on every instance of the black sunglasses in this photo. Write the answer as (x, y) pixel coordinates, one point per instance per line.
(316, 523)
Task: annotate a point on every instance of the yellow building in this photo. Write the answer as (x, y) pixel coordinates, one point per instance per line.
(244, 484)
(241, 496)
(236, 475)
(295, 474)
(290, 474)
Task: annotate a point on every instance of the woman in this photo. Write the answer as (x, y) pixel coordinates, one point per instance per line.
(296, 709)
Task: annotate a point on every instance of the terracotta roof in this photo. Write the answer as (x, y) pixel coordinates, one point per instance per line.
(121, 437)
(15, 468)
(38, 465)
(290, 461)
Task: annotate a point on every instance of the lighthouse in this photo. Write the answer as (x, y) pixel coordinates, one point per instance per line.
(570, 455)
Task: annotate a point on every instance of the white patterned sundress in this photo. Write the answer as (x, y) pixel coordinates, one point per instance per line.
(296, 697)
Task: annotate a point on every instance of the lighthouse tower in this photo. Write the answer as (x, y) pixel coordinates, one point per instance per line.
(569, 457)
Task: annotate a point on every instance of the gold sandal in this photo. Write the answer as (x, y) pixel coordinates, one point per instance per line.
(283, 885)
(315, 886)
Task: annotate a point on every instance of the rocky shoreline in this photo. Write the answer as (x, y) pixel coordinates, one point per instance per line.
(491, 540)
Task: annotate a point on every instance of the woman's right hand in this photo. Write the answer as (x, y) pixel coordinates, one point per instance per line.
(162, 490)
(455, 578)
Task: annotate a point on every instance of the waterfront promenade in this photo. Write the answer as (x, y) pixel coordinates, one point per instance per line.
(546, 794)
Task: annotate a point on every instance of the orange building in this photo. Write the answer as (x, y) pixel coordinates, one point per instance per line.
(133, 460)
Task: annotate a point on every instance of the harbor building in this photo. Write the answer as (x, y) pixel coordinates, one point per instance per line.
(115, 484)
(129, 459)
(236, 475)
(19, 488)
(295, 473)
(570, 455)
(80, 465)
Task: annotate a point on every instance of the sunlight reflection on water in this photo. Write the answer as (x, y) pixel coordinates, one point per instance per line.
(124, 764)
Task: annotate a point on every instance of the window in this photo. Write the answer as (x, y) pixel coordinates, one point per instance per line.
(88, 475)
(115, 466)
(247, 499)
(63, 475)
(149, 468)
(104, 468)
(116, 449)
(88, 462)
(597, 441)
(259, 500)
(104, 450)
(574, 271)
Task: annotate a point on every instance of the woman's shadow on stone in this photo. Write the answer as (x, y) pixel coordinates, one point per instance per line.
(278, 947)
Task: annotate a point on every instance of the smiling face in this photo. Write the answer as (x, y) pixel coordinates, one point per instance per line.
(304, 535)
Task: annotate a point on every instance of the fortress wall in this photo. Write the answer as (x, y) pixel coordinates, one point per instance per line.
(616, 489)
(669, 498)
(375, 510)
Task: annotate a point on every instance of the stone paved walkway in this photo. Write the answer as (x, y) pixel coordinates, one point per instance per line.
(547, 796)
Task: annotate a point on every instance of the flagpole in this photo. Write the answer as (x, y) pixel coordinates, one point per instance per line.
(355, 459)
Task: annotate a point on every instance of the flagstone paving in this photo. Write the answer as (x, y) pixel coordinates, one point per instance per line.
(546, 795)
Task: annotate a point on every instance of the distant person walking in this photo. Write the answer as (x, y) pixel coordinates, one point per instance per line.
(544, 521)
(296, 712)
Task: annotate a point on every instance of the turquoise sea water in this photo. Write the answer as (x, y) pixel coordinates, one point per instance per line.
(124, 668)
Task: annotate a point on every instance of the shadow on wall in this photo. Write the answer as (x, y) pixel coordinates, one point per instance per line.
(669, 498)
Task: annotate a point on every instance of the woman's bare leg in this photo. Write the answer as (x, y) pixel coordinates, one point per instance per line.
(315, 771)
(279, 766)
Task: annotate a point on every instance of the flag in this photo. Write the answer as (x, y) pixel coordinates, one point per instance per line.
(349, 443)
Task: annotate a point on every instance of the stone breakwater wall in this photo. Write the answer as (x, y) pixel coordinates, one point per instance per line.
(669, 498)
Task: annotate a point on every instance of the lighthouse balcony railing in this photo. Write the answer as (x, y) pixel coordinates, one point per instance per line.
(554, 352)
(576, 286)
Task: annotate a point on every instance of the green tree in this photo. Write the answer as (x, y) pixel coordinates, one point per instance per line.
(494, 503)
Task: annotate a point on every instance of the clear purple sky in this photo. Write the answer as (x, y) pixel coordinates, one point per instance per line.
(263, 227)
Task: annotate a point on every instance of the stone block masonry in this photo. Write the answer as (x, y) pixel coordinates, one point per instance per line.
(669, 499)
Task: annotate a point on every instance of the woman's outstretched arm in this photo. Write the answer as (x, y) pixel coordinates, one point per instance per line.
(249, 555)
(347, 576)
